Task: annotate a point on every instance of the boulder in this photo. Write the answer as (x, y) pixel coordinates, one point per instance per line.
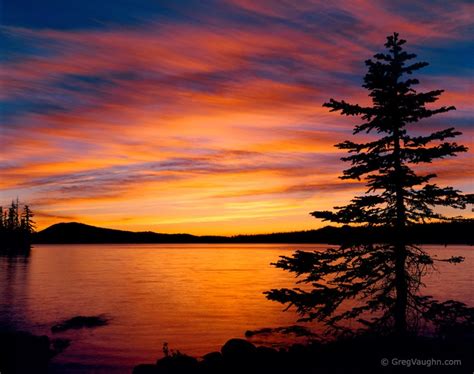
(238, 351)
(212, 363)
(22, 352)
(80, 322)
(177, 364)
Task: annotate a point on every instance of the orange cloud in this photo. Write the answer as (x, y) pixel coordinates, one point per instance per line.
(207, 127)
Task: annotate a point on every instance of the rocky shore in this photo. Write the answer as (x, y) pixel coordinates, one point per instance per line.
(22, 352)
(356, 355)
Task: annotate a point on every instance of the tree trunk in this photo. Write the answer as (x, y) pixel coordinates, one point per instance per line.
(401, 285)
(401, 288)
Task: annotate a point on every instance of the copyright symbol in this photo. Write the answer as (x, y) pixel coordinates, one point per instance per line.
(384, 362)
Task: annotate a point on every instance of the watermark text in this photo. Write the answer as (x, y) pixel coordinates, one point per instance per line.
(421, 362)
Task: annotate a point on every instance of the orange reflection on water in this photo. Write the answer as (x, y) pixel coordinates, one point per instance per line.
(195, 297)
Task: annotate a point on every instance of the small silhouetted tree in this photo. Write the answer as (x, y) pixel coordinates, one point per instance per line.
(13, 221)
(383, 279)
(27, 223)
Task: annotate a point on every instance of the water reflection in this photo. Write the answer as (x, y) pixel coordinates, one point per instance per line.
(13, 280)
(195, 297)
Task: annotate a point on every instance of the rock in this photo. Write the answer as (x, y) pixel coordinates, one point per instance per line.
(177, 364)
(145, 369)
(238, 351)
(60, 345)
(298, 350)
(213, 357)
(80, 322)
(267, 353)
(251, 333)
(268, 360)
(22, 352)
(212, 363)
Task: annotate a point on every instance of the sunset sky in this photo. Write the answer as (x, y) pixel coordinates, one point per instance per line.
(205, 116)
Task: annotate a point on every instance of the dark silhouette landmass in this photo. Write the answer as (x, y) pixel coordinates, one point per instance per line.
(456, 232)
(80, 322)
(24, 353)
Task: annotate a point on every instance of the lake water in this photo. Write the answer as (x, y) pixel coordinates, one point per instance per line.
(193, 296)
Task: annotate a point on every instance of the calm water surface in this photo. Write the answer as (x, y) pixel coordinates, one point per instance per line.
(195, 297)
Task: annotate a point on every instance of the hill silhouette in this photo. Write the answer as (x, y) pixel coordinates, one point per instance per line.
(456, 232)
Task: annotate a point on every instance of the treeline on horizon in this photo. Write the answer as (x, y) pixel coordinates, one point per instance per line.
(454, 232)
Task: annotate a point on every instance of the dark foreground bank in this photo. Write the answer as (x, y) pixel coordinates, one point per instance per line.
(24, 353)
(357, 355)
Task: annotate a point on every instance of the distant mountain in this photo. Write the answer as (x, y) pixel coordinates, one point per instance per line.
(80, 233)
(457, 232)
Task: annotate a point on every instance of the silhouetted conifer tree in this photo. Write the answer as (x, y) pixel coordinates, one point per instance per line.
(384, 278)
(13, 222)
(28, 225)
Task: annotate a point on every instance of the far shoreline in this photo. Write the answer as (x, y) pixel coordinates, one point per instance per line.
(446, 233)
